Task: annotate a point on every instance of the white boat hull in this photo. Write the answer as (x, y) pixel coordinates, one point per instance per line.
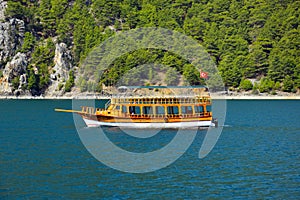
(175, 125)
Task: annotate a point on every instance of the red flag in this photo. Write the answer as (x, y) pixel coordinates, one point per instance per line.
(203, 75)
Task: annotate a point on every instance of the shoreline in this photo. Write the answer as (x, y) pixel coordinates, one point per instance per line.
(245, 97)
(213, 96)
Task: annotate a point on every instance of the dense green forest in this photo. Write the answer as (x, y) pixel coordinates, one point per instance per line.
(248, 39)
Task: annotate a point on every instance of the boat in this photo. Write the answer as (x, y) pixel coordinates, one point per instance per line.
(163, 110)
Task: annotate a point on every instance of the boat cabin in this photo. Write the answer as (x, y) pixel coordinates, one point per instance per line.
(156, 107)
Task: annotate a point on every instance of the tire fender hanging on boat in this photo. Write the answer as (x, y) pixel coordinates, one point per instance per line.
(166, 119)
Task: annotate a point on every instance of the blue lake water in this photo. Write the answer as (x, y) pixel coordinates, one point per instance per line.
(256, 157)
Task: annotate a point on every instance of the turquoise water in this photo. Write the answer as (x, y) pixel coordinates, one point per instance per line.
(256, 157)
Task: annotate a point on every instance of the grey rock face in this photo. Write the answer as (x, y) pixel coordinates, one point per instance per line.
(3, 5)
(11, 38)
(60, 72)
(63, 63)
(16, 67)
(23, 81)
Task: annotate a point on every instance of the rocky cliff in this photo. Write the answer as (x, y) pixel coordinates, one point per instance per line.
(14, 78)
(11, 39)
(12, 64)
(60, 72)
(3, 5)
(15, 66)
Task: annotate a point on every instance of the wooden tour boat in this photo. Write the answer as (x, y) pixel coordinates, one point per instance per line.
(167, 111)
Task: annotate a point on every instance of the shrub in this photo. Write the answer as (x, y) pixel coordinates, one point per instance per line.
(15, 82)
(246, 85)
(60, 86)
(277, 86)
(288, 84)
(266, 85)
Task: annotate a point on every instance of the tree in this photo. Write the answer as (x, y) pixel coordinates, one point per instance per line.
(284, 57)
(15, 82)
(235, 45)
(288, 84)
(213, 37)
(70, 82)
(47, 18)
(259, 13)
(191, 75)
(29, 42)
(194, 27)
(83, 86)
(23, 10)
(147, 16)
(171, 77)
(106, 11)
(259, 56)
(230, 71)
(33, 83)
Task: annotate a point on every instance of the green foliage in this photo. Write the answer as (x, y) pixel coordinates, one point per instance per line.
(258, 57)
(288, 84)
(70, 82)
(44, 54)
(171, 77)
(246, 85)
(1, 73)
(15, 82)
(266, 85)
(255, 90)
(230, 71)
(91, 86)
(246, 39)
(83, 86)
(24, 10)
(29, 42)
(277, 86)
(191, 75)
(284, 57)
(33, 83)
(38, 72)
(60, 86)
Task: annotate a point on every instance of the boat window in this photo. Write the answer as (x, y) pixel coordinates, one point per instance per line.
(186, 110)
(199, 109)
(117, 107)
(208, 108)
(135, 110)
(124, 109)
(173, 110)
(160, 110)
(147, 110)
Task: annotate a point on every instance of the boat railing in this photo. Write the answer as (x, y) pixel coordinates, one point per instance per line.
(92, 110)
(107, 104)
(87, 110)
(183, 116)
(161, 100)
